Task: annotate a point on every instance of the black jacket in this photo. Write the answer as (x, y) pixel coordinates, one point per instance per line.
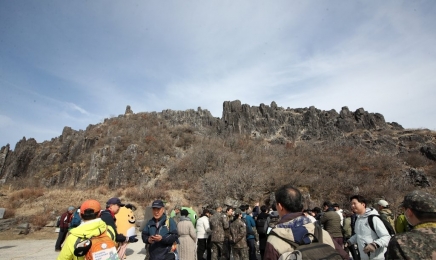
(106, 216)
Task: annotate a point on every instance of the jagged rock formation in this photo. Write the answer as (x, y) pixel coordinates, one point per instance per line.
(122, 149)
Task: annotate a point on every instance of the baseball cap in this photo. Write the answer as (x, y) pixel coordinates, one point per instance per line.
(383, 203)
(420, 201)
(90, 204)
(115, 201)
(157, 204)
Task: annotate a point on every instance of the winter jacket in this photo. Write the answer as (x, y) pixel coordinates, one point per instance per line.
(249, 221)
(203, 227)
(86, 230)
(332, 223)
(293, 226)
(238, 234)
(169, 236)
(110, 219)
(65, 221)
(187, 239)
(365, 235)
(218, 223)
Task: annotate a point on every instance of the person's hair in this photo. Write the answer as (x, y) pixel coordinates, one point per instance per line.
(359, 198)
(274, 206)
(317, 210)
(290, 198)
(205, 211)
(263, 208)
(229, 208)
(243, 208)
(424, 216)
(89, 214)
(335, 205)
(327, 203)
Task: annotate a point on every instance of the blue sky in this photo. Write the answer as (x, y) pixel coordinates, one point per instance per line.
(74, 63)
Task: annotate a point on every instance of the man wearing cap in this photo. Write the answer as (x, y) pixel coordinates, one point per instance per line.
(160, 232)
(63, 227)
(108, 216)
(92, 226)
(238, 232)
(385, 212)
(420, 212)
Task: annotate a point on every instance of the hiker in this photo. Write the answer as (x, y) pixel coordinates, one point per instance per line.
(218, 224)
(332, 222)
(251, 235)
(187, 237)
(203, 235)
(92, 226)
(372, 244)
(293, 225)
(262, 217)
(237, 237)
(227, 246)
(385, 212)
(160, 232)
(108, 216)
(65, 220)
(339, 211)
(419, 243)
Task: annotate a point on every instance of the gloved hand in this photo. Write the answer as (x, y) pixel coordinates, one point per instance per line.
(132, 239)
(370, 248)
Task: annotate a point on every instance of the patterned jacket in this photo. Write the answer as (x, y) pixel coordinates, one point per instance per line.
(218, 223)
(416, 244)
(237, 234)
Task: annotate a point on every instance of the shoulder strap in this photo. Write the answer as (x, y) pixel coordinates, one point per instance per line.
(290, 242)
(371, 223)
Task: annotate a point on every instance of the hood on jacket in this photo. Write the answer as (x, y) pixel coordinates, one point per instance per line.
(89, 229)
(368, 212)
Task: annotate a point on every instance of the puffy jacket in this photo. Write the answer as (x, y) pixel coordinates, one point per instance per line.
(169, 236)
(365, 235)
(86, 230)
(203, 227)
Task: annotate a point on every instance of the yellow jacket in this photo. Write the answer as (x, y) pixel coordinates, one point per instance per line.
(86, 230)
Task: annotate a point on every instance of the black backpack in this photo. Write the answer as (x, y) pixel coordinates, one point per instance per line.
(388, 226)
(262, 225)
(316, 249)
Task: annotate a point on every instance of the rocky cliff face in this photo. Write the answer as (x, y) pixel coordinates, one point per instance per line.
(137, 147)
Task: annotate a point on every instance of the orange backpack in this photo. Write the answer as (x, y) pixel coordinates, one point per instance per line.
(97, 248)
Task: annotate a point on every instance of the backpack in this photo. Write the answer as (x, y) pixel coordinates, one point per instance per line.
(76, 220)
(262, 225)
(97, 247)
(316, 249)
(388, 226)
(58, 221)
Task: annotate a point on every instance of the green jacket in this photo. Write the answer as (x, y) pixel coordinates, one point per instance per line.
(86, 230)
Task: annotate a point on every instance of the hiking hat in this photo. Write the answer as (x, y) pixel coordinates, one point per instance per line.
(184, 212)
(157, 204)
(383, 203)
(90, 204)
(114, 201)
(70, 208)
(420, 201)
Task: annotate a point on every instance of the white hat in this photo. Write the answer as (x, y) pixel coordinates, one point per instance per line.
(383, 203)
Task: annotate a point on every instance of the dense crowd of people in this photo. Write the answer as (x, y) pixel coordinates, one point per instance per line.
(283, 231)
